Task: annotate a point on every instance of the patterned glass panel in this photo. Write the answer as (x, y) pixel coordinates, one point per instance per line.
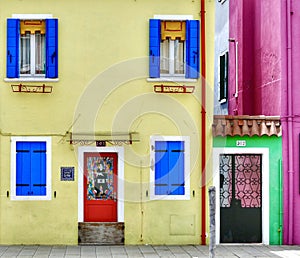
(100, 178)
(225, 180)
(248, 180)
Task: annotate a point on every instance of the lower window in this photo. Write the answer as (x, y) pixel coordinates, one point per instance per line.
(170, 175)
(30, 168)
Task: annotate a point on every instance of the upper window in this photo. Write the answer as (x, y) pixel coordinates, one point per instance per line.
(174, 48)
(170, 168)
(223, 77)
(32, 48)
(30, 168)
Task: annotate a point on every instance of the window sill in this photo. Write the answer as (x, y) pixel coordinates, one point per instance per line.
(170, 197)
(30, 198)
(30, 79)
(171, 79)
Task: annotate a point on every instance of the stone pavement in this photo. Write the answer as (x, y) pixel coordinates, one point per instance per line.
(182, 251)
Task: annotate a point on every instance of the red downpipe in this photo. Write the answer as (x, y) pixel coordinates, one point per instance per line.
(203, 124)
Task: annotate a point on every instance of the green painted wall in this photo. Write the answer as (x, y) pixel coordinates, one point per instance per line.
(275, 165)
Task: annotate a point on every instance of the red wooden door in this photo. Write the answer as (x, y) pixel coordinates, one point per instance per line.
(100, 186)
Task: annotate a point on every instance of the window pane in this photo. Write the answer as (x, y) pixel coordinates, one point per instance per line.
(164, 56)
(223, 76)
(179, 57)
(39, 53)
(25, 53)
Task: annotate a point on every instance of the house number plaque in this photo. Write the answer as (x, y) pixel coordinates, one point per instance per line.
(67, 173)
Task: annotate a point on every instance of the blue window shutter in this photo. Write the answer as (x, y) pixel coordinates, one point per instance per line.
(13, 36)
(23, 169)
(176, 168)
(154, 48)
(31, 168)
(38, 168)
(192, 49)
(51, 48)
(161, 168)
(169, 168)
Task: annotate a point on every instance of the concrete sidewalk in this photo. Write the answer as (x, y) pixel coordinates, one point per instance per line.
(222, 251)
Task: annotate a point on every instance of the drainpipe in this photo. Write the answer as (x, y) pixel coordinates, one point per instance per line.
(203, 124)
(280, 203)
(290, 126)
(236, 94)
(236, 69)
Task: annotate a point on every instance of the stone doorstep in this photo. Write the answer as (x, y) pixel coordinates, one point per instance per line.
(101, 233)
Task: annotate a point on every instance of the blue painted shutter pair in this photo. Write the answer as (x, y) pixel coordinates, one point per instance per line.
(192, 48)
(13, 48)
(169, 168)
(31, 168)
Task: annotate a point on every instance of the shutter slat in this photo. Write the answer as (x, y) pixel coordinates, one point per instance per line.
(161, 168)
(22, 169)
(176, 167)
(39, 151)
(38, 171)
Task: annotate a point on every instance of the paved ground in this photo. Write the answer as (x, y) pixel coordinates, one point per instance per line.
(222, 251)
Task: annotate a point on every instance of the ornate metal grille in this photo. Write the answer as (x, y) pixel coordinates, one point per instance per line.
(225, 180)
(244, 184)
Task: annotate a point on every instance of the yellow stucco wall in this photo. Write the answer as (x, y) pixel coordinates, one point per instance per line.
(103, 48)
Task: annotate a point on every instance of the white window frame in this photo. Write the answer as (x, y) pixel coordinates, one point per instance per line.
(121, 179)
(186, 140)
(172, 76)
(13, 169)
(29, 78)
(265, 171)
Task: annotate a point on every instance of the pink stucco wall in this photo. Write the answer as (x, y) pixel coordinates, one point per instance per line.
(269, 84)
(254, 24)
